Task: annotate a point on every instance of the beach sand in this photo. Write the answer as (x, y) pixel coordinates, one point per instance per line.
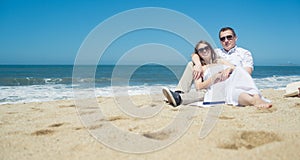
(53, 130)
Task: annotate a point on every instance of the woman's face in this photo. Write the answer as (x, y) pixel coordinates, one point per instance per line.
(204, 51)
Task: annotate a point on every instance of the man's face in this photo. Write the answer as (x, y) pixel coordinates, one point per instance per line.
(227, 39)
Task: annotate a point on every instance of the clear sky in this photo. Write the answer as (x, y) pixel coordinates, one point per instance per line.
(51, 31)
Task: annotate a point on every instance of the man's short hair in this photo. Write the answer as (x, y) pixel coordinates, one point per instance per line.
(225, 29)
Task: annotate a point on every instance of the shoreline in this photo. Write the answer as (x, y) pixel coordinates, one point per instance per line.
(107, 91)
(53, 130)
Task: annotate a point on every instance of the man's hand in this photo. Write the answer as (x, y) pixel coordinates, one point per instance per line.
(197, 72)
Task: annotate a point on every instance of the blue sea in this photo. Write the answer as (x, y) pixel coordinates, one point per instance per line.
(36, 83)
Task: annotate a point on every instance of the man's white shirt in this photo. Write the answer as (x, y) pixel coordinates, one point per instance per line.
(237, 56)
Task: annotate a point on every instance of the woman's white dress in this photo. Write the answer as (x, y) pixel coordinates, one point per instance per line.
(229, 90)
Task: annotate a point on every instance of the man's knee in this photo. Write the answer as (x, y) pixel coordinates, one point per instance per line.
(191, 64)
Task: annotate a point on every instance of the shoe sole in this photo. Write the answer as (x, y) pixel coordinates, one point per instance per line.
(169, 96)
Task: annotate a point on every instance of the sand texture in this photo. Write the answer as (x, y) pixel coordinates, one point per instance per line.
(54, 130)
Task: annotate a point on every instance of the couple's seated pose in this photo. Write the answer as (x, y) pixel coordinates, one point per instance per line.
(225, 73)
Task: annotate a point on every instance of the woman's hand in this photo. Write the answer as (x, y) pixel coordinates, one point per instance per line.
(226, 73)
(216, 78)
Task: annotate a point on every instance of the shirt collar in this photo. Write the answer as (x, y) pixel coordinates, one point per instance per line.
(230, 51)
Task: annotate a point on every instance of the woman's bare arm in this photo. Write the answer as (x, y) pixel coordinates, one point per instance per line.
(197, 69)
(200, 84)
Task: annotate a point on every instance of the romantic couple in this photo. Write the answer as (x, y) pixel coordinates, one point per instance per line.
(224, 73)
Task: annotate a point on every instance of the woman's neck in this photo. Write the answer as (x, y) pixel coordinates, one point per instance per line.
(208, 61)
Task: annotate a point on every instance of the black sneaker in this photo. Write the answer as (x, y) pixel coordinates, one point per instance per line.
(173, 97)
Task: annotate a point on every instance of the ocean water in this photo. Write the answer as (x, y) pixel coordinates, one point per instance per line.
(36, 83)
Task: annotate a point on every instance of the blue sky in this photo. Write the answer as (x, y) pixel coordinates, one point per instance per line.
(51, 31)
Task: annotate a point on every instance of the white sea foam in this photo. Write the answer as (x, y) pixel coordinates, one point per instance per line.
(276, 82)
(40, 93)
(34, 93)
(50, 92)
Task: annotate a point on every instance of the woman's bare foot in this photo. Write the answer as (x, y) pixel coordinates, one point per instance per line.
(253, 100)
(261, 104)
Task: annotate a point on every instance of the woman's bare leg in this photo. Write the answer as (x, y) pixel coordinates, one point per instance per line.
(253, 100)
(246, 99)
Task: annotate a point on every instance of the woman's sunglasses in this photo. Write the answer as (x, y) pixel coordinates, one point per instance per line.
(201, 50)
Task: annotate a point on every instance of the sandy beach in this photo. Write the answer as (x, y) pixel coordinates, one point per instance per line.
(53, 130)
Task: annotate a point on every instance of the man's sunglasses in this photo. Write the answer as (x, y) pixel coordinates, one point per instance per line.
(229, 37)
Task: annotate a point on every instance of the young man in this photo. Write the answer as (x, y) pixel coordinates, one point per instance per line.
(193, 71)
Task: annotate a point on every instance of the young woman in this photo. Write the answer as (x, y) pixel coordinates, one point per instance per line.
(225, 81)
